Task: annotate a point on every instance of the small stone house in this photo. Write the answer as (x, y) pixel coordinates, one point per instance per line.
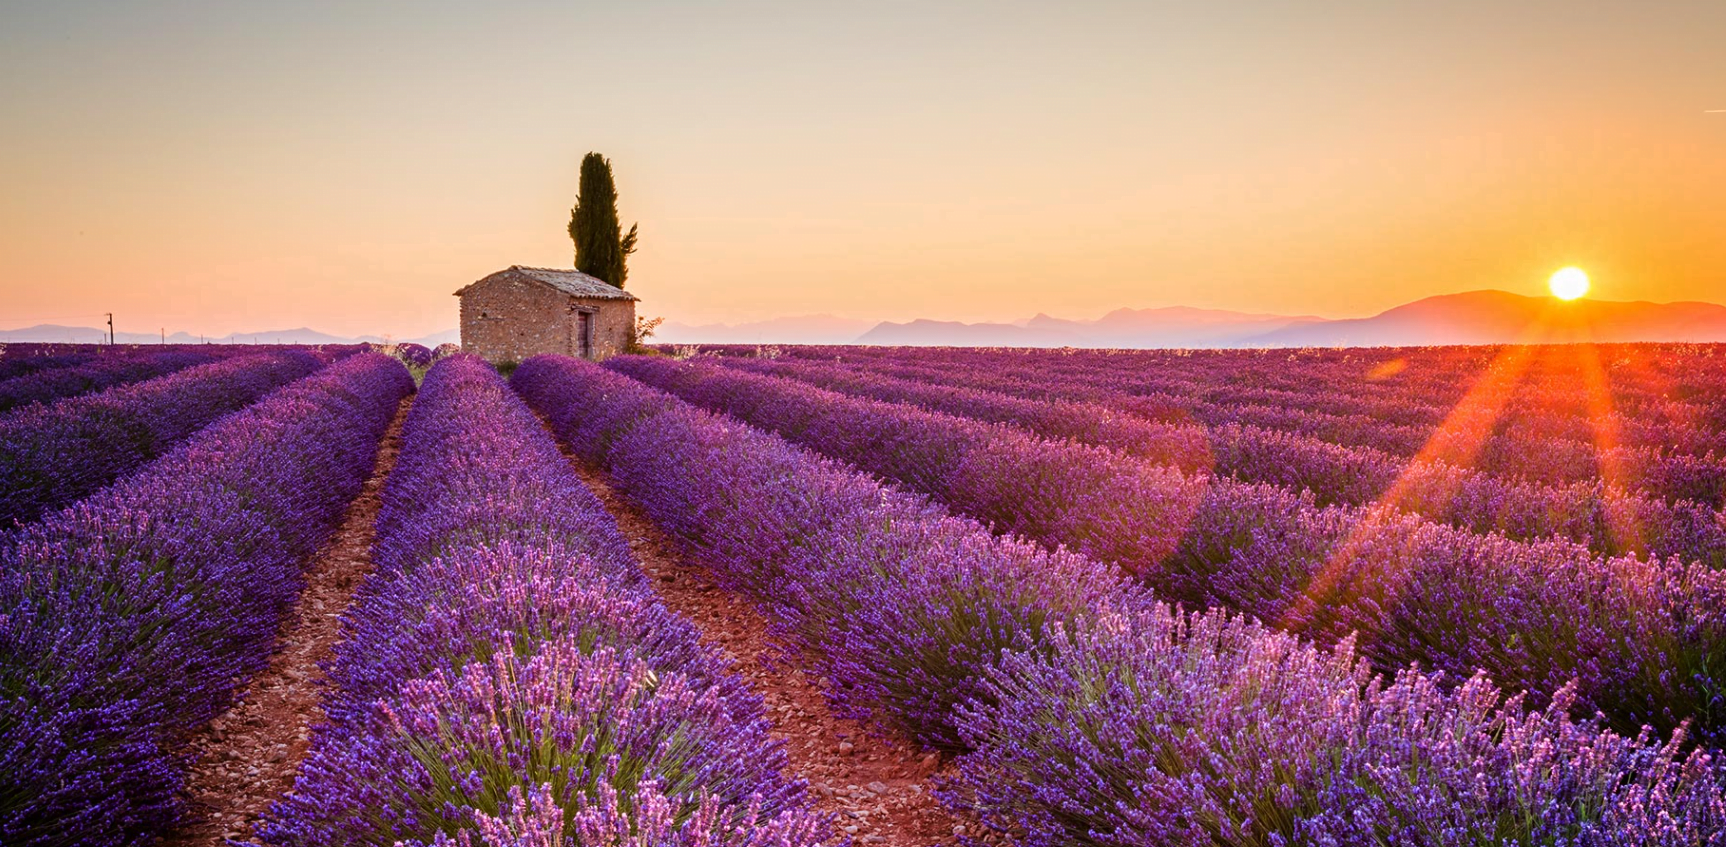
(519, 312)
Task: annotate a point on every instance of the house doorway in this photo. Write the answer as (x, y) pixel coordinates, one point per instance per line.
(583, 331)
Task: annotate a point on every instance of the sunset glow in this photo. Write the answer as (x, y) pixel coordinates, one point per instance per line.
(219, 167)
(1568, 283)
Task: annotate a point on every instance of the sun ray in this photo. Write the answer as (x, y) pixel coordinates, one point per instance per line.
(1627, 534)
(1457, 440)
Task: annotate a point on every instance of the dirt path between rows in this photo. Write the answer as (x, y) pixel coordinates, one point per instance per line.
(879, 790)
(247, 758)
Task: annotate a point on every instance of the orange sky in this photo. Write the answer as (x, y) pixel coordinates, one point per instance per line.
(215, 167)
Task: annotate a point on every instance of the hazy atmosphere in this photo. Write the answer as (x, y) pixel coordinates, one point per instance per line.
(219, 167)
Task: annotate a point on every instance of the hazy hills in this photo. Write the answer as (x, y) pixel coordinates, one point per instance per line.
(1474, 317)
(1494, 317)
(56, 334)
(802, 329)
(1173, 326)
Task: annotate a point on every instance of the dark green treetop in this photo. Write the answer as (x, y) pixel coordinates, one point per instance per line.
(601, 247)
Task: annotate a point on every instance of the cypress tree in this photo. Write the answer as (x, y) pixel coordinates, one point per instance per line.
(601, 247)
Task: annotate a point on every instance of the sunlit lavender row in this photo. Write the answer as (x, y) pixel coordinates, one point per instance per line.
(1086, 711)
(507, 675)
(1643, 640)
(1656, 395)
(1527, 412)
(1608, 519)
(130, 618)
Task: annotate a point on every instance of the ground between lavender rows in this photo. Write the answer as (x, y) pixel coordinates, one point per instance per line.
(880, 789)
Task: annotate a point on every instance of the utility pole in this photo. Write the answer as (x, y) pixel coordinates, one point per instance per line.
(110, 329)
(164, 335)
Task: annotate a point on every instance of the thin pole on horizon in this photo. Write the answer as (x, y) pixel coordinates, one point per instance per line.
(110, 329)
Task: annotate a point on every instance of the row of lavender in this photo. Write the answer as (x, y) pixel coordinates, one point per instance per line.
(418, 356)
(53, 454)
(1511, 407)
(1645, 641)
(13, 365)
(1473, 437)
(103, 372)
(1646, 388)
(507, 676)
(1654, 396)
(1684, 459)
(131, 617)
(1606, 519)
(88, 369)
(1086, 712)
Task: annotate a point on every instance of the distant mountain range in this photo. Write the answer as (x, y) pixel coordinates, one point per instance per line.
(803, 329)
(1173, 326)
(1474, 317)
(1498, 317)
(54, 333)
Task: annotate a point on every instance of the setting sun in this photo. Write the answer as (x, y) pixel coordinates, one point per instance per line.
(1568, 283)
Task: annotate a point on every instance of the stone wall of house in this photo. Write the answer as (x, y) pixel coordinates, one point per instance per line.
(612, 322)
(509, 319)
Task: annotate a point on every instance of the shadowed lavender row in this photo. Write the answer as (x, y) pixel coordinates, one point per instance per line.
(1645, 641)
(100, 373)
(507, 675)
(1607, 519)
(1089, 713)
(53, 454)
(133, 616)
(14, 365)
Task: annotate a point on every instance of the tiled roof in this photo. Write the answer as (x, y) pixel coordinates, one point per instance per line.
(568, 281)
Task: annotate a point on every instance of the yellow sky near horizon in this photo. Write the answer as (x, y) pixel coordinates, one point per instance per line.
(219, 167)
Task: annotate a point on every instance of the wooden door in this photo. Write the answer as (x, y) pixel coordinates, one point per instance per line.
(584, 334)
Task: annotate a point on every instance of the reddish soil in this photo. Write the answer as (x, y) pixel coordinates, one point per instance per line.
(878, 789)
(248, 757)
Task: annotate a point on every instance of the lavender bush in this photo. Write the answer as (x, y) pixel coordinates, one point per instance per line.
(103, 372)
(1591, 512)
(130, 618)
(1637, 437)
(647, 820)
(1160, 727)
(53, 454)
(14, 366)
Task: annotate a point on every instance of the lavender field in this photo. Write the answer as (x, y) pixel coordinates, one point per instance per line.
(1424, 596)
